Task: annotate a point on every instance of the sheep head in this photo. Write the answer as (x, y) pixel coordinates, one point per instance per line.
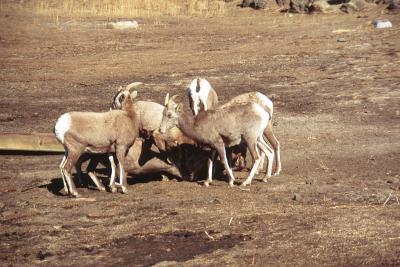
(124, 95)
(170, 113)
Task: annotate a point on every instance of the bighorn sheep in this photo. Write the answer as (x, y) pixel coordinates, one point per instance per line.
(220, 128)
(266, 103)
(81, 132)
(140, 159)
(201, 95)
(201, 92)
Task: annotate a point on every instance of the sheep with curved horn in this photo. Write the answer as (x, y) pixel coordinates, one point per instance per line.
(97, 132)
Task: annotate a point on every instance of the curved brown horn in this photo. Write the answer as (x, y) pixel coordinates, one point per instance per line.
(129, 86)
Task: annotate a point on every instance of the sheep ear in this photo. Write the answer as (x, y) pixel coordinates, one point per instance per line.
(179, 107)
(120, 89)
(166, 99)
(134, 94)
(173, 97)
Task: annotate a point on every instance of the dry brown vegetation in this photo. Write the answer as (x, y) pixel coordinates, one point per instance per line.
(121, 8)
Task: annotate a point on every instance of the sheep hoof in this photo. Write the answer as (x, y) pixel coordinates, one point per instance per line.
(75, 194)
(164, 178)
(113, 189)
(244, 184)
(207, 184)
(265, 180)
(102, 188)
(231, 184)
(124, 190)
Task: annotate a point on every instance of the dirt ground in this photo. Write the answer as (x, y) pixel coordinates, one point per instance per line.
(334, 80)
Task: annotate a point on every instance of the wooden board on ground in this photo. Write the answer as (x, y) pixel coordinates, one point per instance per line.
(40, 142)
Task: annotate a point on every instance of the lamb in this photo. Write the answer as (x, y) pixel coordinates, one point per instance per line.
(266, 103)
(201, 95)
(93, 132)
(222, 128)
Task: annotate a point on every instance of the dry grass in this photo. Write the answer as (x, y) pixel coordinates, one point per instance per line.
(119, 8)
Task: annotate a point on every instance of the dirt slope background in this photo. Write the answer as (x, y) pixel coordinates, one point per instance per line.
(334, 80)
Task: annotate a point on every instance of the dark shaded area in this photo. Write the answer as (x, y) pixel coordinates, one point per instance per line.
(337, 2)
(146, 250)
(27, 153)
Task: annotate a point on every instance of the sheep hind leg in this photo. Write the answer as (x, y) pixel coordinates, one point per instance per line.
(269, 152)
(91, 172)
(261, 165)
(78, 168)
(68, 164)
(210, 169)
(255, 154)
(269, 134)
(61, 166)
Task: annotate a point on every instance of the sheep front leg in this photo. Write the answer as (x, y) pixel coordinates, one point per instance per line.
(70, 161)
(222, 154)
(121, 152)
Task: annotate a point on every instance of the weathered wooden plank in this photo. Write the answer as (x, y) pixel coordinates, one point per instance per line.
(41, 142)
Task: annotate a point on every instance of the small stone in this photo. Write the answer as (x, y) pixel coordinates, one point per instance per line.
(7, 213)
(341, 40)
(43, 255)
(296, 197)
(216, 201)
(35, 114)
(393, 180)
(309, 180)
(6, 117)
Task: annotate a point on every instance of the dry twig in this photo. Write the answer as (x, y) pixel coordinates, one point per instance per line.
(386, 201)
(209, 236)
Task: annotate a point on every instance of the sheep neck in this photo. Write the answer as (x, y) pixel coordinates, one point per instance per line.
(186, 124)
(129, 109)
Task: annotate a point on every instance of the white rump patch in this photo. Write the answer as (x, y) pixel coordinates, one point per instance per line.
(202, 95)
(260, 111)
(266, 101)
(62, 126)
(205, 88)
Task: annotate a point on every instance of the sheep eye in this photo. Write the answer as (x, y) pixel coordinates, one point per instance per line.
(122, 98)
(169, 115)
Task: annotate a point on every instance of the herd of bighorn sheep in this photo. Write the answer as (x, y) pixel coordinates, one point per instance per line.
(145, 137)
